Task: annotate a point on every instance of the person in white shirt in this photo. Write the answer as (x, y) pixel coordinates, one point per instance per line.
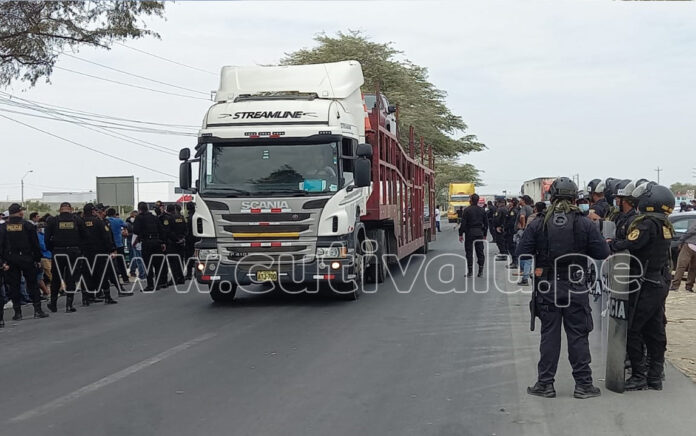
(437, 218)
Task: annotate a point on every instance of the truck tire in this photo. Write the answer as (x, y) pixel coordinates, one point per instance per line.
(351, 291)
(222, 294)
(376, 273)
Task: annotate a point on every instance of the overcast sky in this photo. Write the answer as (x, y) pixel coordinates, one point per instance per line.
(600, 89)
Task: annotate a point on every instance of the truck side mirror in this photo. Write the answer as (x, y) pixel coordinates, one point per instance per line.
(362, 172)
(185, 175)
(391, 109)
(184, 154)
(364, 150)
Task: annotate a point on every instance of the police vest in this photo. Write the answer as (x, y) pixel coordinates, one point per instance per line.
(655, 256)
(18, 236)
(66, 232)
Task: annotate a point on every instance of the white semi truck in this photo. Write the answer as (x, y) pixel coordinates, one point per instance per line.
(284, 177)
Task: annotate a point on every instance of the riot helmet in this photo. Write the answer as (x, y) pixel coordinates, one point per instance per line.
(563, 189)
(654, 198)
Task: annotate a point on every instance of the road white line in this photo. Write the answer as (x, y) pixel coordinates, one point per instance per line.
(113, 378)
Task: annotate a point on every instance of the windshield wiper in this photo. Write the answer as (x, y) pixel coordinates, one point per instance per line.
(228, 192)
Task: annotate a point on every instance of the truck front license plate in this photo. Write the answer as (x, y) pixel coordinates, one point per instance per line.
(266, 276)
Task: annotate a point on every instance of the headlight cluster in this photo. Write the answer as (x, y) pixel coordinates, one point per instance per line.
(332, 252)
(208, 254)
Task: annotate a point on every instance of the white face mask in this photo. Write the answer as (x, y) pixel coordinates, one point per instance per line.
(584, 207)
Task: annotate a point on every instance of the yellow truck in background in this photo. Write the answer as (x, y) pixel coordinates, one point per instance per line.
(459, 194)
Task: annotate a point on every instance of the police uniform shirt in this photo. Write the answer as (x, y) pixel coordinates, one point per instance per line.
(63, 231)
(147, 226)
(474, 222)
(601, 208)
(18, 238)
(649, 242)
(623, 221)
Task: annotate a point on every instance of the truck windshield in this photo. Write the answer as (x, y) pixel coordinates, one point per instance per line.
(270, 169)
(459, 197)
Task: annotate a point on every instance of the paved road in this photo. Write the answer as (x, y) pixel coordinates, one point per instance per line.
(422, 363)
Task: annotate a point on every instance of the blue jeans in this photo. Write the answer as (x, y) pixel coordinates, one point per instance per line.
(526, 265)
(137, 261)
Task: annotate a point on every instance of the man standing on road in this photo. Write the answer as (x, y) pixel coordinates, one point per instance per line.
(510, 230)
(474, 226)
(649, 238)
(499, 229)
(97, 249)
(190, 240)
(151, 234)
(117, 226)
(437, 218)
(19, 247)
(686, 260)
(560, 243)
(65, 235)
(176, 244)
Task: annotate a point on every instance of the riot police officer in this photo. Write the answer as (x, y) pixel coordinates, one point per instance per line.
(64, 236)
(560, 242)
(19, 245)
(97, 249)
(499, 230)
(510, 228)
(474, 226)
(176, 243)
(150, 233)
(599, 207)
(627, 211)
(649, 238)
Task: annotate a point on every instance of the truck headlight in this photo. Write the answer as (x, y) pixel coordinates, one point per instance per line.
(332, 252)
(208, 254)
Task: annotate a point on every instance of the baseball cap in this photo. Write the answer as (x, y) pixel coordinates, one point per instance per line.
(89, 207)
(14, 208)
(65, 204)
(100, 206)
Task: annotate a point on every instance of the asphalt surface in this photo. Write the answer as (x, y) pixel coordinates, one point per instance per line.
(425, 362)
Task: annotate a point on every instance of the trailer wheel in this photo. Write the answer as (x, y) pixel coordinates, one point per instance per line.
(376, 273)
(222, 292)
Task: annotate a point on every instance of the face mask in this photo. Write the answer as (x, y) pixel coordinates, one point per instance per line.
(584, 207)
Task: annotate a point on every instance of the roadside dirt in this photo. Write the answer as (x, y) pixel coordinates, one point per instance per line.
(681, 331)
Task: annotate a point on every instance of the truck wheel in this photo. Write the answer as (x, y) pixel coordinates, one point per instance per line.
(222, 292)
(351, 291)
(377, 272)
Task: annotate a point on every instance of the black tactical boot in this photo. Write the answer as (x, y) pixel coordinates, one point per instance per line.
(17, 315)
(470, 273)
(70, 309)
(656, 374)
(542, 390)
(39, 313)
(480, 271)
(110, 301)
(637, 382)
(586, 391)
(52, 307)
(2, 323)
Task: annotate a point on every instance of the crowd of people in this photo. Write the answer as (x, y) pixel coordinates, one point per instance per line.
(612, 216)
(90, 251)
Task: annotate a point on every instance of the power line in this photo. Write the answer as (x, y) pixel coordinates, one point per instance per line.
(87, 147)
(134, 75)
(129, 84)
(165, 59)
(97, 115)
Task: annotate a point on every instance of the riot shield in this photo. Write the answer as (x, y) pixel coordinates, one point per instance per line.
(618, 270)
(609, 232)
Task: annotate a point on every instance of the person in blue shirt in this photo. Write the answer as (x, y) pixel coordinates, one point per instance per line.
(45, 261)
(117, 227)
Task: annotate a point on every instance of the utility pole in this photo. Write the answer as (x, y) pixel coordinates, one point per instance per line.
(22, 183)
(658, 170)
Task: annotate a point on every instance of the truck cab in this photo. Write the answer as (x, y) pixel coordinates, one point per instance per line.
(283, 178)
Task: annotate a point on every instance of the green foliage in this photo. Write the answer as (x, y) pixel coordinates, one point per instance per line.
(450, 171)
(34, 33)
(421, 104)
(36, 206)
(678, 188)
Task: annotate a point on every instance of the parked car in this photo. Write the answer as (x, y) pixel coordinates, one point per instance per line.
(387, 114)
(681, 222)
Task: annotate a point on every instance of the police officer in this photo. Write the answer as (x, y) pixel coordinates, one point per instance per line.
(64, 235)
(474, 226)
(499, 229)
(583, 202)
(510, 228)
(612, 188)
(649, 238)
(176, 243)
(560, 242)
(599, 207)
(190, 240)
(166, 222)
(150, 233)
(19, 245)
(627, 211)
(97, 249)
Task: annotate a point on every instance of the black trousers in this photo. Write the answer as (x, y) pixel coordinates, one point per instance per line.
(471, 242)
(102, 274)
(510, 246)
(65, 267)
(153, 256)
(499, 239)
(576, 320)
(176, 257)
(120, 263)
(22, 266)
(190, 262)
(647, 327)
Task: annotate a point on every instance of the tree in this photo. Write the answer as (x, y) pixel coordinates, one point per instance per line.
(34, 33)
(681, 188)
(450, 171)
(421, 104)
